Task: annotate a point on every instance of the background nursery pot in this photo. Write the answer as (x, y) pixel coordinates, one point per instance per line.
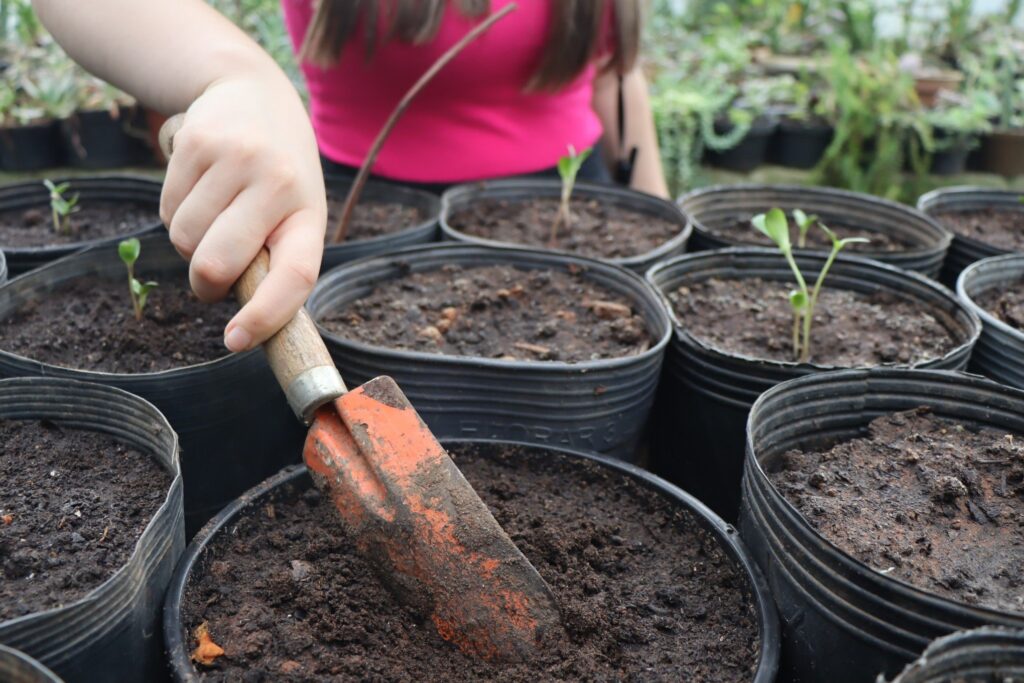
(230, 414)
(800, 143)
(112, 633)
(420, 230)
(984, 654)
(27, 196)
(706, 393)
(18, 667)
(30, 147)
(749, 152)
(730, 207)
(999, 353)
(462, 196)
(104, 138)
(293, 481)
(965, 250)
(600, 405)
(843, 621)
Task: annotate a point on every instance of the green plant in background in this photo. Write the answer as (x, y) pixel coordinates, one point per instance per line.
(61, 206)
(802, 300)
(878, 120)
(129, 251)
(568, 168)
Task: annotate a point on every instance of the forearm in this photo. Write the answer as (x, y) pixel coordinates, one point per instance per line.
(639, 131)
(164, 52)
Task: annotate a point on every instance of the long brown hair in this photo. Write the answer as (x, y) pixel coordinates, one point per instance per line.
(574, 38)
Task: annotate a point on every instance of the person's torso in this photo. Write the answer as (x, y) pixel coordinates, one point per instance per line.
(474, 120)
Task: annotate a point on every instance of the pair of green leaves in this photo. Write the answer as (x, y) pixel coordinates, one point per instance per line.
(129, 251)
(802, 300)
(568, 168)
(61, 207)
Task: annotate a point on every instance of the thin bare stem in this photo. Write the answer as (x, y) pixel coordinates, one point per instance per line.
(364, 171)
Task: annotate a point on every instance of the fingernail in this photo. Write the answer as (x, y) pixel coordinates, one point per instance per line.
(237, 339)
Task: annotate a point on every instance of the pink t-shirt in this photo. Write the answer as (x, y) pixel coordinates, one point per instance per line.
(473, 121)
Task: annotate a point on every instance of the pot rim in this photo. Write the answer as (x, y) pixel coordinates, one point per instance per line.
(987, 318)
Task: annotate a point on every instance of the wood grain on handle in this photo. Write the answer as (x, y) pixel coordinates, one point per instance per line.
(297, 347)
(296, 353)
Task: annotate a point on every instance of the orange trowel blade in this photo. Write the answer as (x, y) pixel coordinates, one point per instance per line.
(423, 527)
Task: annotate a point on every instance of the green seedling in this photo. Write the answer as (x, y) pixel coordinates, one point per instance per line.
(802, 300)
(568, 168)
(804, 223)
(61, 206)
(129, 250)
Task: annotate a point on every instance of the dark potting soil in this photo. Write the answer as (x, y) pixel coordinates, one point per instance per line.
(644, 592)
(371, 218)
(752, 317)
(738, 230)
(600, 229)
(1005, 302)
(89, 324)
(72, 506)
(495, 312)
(926, 500)
(94, 220)
(1002, 228)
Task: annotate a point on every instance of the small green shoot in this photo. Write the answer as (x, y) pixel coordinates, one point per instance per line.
(61, 206)
(804, 223)
(568, 168)
(801, 300)
(129, 250)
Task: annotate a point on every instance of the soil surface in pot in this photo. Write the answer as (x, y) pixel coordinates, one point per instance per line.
(645, 593)
(1002, 228)
(73, 505)
(600, 229)
(495, 311)
(371, 218)
(88, 324)
(752, 317)
(738, 230)
(930, 501)
(1005, 302)
(94, 220)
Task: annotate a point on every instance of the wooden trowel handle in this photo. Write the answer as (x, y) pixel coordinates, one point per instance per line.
(296, 353)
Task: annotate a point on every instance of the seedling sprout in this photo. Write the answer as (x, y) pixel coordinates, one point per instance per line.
(129, 250)
(568, 168)
(803, 301)
(61, 206)
(804, 223)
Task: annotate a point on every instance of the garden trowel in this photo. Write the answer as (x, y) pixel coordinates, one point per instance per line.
(407, 506)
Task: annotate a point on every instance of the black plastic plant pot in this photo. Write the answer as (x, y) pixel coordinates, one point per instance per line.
(714, 208)
(113, 188)
(423, 231)
(596, 405)
(750, 152)
(844, 622)
(111, 633)
(235, 426)
(966, 250)
(293, 480)
(18, 667)
(999, 353)
(102, 139)
(31, 148)
(800, 144)
(705, 394)
(461, 196)
(983, 655)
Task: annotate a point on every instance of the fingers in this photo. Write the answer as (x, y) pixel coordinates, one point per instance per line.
(214, 192)
(232, 240)
(296, 247)
(193, 155)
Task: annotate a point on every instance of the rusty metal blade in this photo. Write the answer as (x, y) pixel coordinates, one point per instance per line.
(424, 528)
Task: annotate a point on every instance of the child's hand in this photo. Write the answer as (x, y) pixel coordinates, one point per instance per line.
(245, 172)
